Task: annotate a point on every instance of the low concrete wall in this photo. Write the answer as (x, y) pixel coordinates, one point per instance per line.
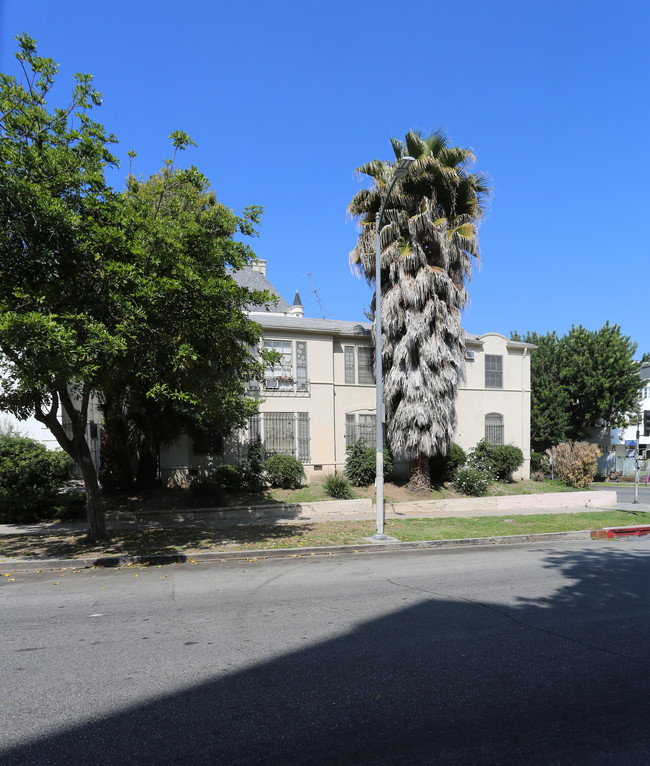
(331, 509)
(495, 504)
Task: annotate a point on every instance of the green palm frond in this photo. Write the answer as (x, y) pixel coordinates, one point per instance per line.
(398, 148)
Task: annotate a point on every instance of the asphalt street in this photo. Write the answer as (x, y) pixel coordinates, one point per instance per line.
(531, 654)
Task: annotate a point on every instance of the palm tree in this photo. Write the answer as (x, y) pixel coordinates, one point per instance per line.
(428, 238)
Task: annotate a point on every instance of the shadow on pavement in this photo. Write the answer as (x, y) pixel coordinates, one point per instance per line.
(447, 681)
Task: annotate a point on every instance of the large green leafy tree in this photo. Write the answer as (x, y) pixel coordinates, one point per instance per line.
(185, 368)
(429, 238)
(550, 412)
(105, 293)
(578, 379)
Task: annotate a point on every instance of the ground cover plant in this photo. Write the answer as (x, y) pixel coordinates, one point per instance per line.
(185, 541)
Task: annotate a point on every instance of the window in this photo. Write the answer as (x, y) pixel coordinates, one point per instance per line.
(207, 443)
(493, 371)
(363, 371)
(494, 428)
(282, 376)
(283, 433)
(360, 428)
(366, 365)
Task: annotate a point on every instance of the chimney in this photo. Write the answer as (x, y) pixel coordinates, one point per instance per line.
(297, 309)
(259, 265)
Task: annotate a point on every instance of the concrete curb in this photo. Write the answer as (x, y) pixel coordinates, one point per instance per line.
(7, 565)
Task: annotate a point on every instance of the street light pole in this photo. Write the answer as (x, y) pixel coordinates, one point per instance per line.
(400, 171)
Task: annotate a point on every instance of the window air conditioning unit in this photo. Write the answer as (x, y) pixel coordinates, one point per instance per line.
(271, 383)
(469, 355)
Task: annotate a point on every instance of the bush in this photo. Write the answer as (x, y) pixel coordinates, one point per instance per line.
(500, 461)
(285, 471)
(539, 462)
(361, 464)
(474, 482)
(229, 477)
(253, 470)
(575, 463)
(338, 486)
(31, 477)
(443, 467)
(207, 489)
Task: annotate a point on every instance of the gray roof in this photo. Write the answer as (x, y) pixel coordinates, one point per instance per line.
(328, 326)
(254, 280)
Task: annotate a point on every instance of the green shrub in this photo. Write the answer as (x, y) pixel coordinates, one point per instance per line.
(443, 467)
(285, 471)
(474, 482)
(253, 470)
(500, 461)
(361, 464)
(229, 477)
(207, 489)
(31, 477)
(338, 487)
(70, 506)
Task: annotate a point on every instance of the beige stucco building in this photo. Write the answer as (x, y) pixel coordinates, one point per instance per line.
(320, 397)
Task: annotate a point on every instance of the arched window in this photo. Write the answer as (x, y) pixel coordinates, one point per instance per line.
(494, 428)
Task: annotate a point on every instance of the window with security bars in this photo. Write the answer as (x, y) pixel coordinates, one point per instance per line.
(494, 428)
(283, 433)
(493, 371)
(360, 428)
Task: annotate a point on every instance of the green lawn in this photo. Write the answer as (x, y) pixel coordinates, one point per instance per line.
(252, 537)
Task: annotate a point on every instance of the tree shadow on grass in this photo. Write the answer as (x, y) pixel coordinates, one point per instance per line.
(154, 541)
(445, 681)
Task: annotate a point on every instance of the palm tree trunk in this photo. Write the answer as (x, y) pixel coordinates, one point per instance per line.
(420, 480)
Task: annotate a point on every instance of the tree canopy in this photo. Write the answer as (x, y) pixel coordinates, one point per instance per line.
(578, 379)
(119, 296)
(428, 238)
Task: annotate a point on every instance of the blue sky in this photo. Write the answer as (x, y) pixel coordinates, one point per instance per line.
(286, 99)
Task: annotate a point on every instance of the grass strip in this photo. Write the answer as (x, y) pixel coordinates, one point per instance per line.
(243, 537)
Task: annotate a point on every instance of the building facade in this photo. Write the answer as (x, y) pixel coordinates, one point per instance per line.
(319, 398)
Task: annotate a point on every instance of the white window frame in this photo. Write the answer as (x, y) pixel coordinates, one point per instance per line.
(493, 371)
(290, 373)
(352, 368)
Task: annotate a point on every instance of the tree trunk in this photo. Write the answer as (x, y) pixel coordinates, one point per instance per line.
(77, 448)
(420, 480)
(94, 512)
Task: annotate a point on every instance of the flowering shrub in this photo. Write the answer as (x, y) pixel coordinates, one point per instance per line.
(472, 481)
(575, 463)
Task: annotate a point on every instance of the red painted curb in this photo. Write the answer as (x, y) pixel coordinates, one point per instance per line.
(620, 533)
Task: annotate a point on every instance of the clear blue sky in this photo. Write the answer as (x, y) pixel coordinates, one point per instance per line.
(286, 99)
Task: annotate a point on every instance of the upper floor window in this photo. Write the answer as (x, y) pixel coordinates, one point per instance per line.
(290, 371)
(493, 371)
(494, 428)
(359, 365)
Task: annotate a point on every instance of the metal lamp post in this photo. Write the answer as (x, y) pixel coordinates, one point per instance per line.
(400, 171)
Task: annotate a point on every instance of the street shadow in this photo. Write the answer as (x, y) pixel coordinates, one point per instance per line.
(444, 681)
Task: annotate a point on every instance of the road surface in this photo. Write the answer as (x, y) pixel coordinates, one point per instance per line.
(530, 654)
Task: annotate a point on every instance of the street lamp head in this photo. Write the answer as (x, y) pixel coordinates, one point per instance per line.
(403, 166)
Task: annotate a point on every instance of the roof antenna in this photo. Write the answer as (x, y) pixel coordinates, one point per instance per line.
(315, 292)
